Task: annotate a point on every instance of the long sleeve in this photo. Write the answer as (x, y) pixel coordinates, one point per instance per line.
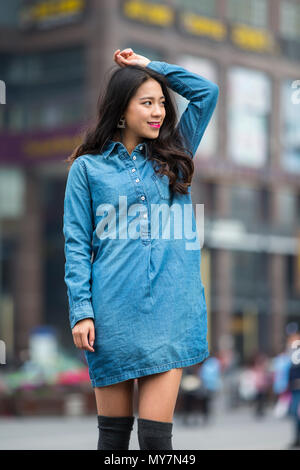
(78, 231)
(202, 95)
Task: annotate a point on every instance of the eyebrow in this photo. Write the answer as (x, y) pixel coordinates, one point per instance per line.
(151, 97)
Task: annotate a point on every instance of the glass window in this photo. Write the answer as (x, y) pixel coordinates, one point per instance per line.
(249, 276)
(11, 192)
(290, 135)
(252, 12)
(287, 208)
(9, 12)
(205, 7)
(47, 67)
(67, 110)
(249, 106)
(290, 20)
(264, 204)
(245, 204)
(206, 195)
(44, 90)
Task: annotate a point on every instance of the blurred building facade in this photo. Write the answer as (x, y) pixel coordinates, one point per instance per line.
(54, 56)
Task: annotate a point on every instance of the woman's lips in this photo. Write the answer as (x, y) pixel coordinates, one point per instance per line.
(151, 124)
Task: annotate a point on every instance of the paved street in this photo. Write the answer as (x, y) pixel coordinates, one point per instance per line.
(236, 429)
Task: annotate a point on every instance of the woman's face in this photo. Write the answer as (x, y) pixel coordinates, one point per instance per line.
(146, 106)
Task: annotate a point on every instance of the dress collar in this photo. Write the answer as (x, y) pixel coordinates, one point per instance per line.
(111, 144)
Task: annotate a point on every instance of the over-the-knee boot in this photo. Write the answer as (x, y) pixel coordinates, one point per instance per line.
(154, 435)
(114, 432)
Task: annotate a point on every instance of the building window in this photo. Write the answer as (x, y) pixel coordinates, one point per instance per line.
(44, 90)
(251, 12)
(290, 135)
(205, 7)
(290, 20)
(245, 205)
(264, 205)
(287, 208)
(9, 13)
(249, 107)
(207, 196)
(249, 277)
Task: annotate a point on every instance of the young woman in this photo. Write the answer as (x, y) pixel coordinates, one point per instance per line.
(136, 301)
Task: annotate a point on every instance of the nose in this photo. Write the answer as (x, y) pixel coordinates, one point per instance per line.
(156, 111)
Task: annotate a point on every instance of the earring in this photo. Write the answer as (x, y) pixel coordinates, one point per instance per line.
(121, 123)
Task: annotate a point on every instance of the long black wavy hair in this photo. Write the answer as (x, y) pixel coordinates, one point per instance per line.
(168, 150)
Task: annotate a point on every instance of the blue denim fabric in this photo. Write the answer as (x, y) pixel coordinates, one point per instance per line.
(144, 292)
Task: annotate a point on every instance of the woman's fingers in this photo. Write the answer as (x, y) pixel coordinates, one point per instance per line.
(118, 58)
(77, 340)
(127, 51)
(85, 343)
(92, 336)
(81, 339)
(125, 57)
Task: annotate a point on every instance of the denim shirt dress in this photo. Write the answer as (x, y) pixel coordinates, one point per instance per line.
(139, 282)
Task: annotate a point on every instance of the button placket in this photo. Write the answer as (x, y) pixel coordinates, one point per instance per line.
(144, 220)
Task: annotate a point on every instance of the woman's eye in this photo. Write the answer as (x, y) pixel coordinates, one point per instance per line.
(163, 102)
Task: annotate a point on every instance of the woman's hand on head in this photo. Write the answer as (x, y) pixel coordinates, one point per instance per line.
(128, 57)
(84, 334)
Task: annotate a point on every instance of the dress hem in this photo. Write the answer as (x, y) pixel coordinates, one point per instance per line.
(149, 370)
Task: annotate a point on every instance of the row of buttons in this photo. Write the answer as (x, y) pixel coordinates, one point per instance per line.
(138, 180)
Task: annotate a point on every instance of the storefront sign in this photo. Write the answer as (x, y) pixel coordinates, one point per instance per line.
(44, 14)
(159, 14)
(151, 13)
(39, 147)
(202, 26)
(252, 39)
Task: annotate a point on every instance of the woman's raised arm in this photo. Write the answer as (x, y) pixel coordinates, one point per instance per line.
(202, 95)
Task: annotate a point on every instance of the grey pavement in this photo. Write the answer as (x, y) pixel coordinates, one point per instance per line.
(235, 429)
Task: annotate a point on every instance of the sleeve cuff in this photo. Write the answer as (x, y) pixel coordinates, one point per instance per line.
(80, 311)
(156, 65)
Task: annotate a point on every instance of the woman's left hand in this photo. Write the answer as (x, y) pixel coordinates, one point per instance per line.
(128, 57)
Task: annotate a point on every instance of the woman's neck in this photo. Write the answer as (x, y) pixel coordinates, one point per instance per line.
(130, 144)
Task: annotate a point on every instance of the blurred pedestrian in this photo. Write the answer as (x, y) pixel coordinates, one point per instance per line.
(262, 382)
(294, 387)
(190, 388)
(280, 367)
(210, 376)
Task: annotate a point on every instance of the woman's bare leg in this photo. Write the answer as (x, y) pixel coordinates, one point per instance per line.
(116, 399)
(158, 395)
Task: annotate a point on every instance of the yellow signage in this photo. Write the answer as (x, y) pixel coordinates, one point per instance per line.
(39, 148)
(203, 26)
(251, 38)
(45, 10)
(157, 14)
(244, 36)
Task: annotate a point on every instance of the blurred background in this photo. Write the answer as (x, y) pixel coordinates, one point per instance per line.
(54, 58)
